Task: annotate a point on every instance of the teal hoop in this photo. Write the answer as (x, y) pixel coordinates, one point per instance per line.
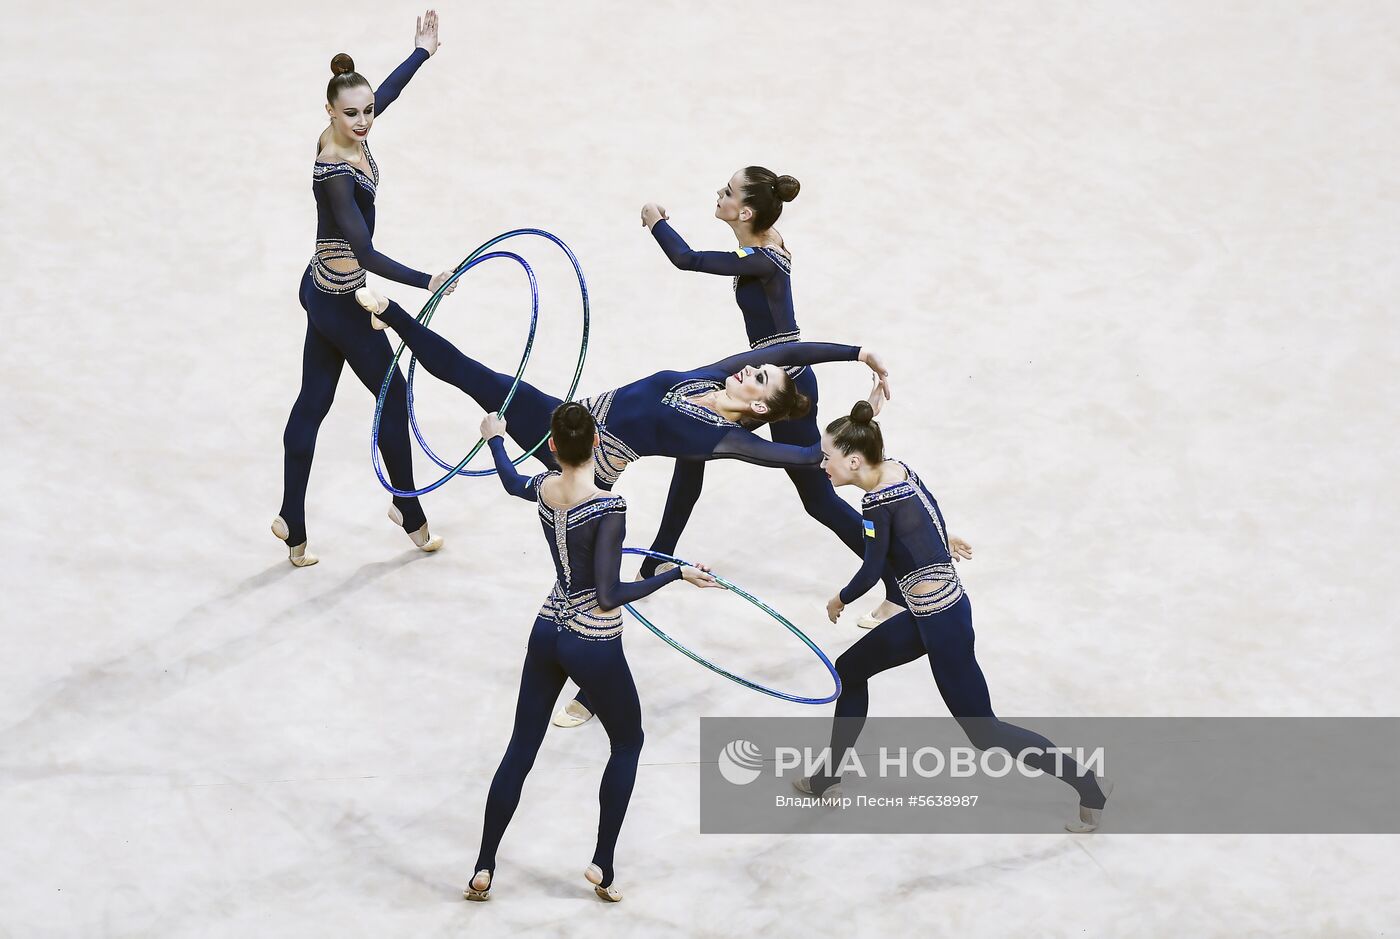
(739, 679)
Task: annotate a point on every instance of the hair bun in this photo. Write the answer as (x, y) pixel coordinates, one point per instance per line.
(862, 413)
(341, 64)
(575, 416)
(787, 188)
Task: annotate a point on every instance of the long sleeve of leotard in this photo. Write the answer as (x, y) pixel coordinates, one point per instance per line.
(607, 566)
(522, 487)
(741, 444)
(687, 479)
(340, 188)
(877, 545)
(389, 89)
(788, 353)
(746, 262)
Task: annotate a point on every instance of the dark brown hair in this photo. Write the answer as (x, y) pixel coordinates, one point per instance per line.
(765, 193)
(343, 76)
(860, 433)
(786, 403)
(573, 429)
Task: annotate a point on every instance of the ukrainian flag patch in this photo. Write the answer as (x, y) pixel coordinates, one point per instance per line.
(869, 528)
(744, 252)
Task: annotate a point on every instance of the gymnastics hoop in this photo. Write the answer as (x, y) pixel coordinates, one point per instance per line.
(739, 679)
(425, 316)
(393, 370)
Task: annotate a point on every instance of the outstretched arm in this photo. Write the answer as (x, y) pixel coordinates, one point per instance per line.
(741, 444)
(790, 353)
(351, 221)
(810, 353)
(390, 88)
(607, 566)
(425, 41)
(522, 487)
(742, 262)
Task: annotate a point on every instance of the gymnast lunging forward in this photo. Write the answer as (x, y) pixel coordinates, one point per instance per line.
(343, 180)
(577, 634)
(905, 530)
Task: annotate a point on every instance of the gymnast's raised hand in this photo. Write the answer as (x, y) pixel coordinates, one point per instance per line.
(425, 33)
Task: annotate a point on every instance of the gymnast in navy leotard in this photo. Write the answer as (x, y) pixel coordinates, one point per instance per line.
(343, 181)
(577, 634)
(751, 203)
(905, 531)
(699, 414)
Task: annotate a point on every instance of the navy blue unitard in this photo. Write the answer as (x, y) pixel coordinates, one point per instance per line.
(578, 635)
(653, 416)
(763, 291)
(336, 328)
(905, 531)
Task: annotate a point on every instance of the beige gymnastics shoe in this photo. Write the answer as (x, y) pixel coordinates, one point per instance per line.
(803, 784)
(374, 304)
(480, 887)
(571, 715)
(295, 553)
(1090, 819)
(425, 542)
(870, 620)
(594, 875)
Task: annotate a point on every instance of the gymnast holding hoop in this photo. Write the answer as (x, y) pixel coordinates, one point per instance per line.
(577, 634)
(343, 180)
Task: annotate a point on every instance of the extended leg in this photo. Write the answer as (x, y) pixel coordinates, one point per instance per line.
(950, 641)
(527, 417)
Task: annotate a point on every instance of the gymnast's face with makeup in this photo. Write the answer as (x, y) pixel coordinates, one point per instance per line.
(754, 385)
(729, 206)
(352, 113)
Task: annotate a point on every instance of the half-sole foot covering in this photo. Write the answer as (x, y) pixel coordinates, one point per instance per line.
(295, 553)
(594, 875)
(374, 304)
(1090, 819)
(420, 538)
(803, 784)
(479, 894)
(571, 715)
